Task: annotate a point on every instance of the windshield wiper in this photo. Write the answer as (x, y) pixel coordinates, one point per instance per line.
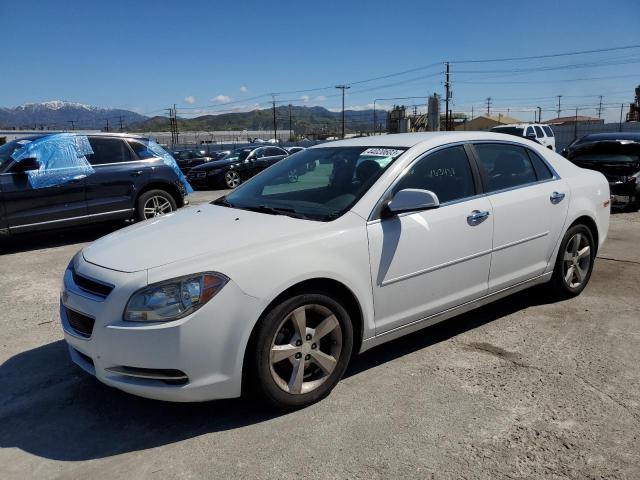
(222, 201)
(275, 211)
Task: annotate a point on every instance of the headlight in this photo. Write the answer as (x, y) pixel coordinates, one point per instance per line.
(173, 299)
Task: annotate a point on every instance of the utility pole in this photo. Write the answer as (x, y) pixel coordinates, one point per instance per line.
(559, 109)
(290, 123)
(175, 122)
(106, 129)
(73, 124)
(575, 125)
(489, 106)
(600, 106)
(539, 115)
(275, 123)
(343, 88)
(121, 128)
(447, 87)
(621, 110)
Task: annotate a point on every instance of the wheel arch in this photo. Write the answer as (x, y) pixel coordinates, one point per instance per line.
(591, 224)
(167, 187)
(337, 289)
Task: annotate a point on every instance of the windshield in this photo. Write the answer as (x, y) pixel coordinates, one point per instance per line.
(517, 131)
(239, 154)
(317, 183)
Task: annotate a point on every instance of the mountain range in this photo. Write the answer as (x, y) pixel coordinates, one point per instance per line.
(58, 114)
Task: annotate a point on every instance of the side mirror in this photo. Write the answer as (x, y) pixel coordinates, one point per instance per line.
(412, 200)
(25, 165)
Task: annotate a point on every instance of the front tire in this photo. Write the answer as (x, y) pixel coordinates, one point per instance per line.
(574, 263)
(302, 348)
(232, 179)
(154, 203)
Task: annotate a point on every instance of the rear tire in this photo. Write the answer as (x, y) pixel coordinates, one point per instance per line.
(154, 203)
(574, 262)
(300, 350)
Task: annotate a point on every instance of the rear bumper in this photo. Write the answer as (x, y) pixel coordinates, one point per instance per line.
(207, 347)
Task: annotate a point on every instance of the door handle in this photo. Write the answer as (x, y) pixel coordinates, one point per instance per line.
(136, 174)
(77, 178)
(477, 217)
(556, 197)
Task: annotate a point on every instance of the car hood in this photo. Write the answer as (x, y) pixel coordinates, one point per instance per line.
(192, 232)
(216, 164)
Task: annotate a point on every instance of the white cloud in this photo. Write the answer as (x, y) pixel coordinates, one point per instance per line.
(190, 99)
(304, 98)
(221, 99)
(244, 89)
(320, 98)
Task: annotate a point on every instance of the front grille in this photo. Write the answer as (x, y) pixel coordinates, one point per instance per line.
(81, 324)
(91, 286)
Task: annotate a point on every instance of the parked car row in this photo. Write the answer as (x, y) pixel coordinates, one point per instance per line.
(235, 167)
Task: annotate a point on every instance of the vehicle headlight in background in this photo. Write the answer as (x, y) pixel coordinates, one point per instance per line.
(173, 299)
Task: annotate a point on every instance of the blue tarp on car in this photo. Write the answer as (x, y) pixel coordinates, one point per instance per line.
(62, 158)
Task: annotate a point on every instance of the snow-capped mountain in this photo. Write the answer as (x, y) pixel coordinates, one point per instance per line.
(61, 114)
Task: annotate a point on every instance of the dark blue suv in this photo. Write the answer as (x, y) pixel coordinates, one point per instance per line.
(48, 182)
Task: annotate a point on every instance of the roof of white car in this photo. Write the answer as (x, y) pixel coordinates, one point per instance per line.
(522, 125)
(408, 140)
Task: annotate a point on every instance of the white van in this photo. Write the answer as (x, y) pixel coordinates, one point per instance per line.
(535, 131)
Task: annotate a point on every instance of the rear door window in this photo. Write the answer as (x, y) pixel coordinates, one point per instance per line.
(539, 132)
(542, 171)
(548, 131)
(108, 150)
(505, 166)
(140, 150)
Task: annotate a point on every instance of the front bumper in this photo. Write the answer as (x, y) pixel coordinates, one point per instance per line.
(206, 346)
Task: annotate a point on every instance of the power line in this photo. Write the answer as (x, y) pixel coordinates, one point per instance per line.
(552, 55)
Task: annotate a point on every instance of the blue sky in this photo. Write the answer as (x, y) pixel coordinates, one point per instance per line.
(216, 56)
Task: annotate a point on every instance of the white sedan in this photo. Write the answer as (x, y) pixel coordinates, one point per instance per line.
(274, 287)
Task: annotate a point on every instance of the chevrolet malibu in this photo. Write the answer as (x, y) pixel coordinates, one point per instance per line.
(277, 285)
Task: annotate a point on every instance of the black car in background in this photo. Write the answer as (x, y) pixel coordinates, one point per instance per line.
(235, 167)
(187, 159)
(128, 181)
(617, 157)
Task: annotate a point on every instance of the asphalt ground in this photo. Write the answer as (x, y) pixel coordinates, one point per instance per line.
(522, 388)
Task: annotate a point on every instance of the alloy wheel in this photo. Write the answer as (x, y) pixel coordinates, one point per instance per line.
(305, 349)
(292, 176)
(156, 206)
(232, 179)
(576, 260)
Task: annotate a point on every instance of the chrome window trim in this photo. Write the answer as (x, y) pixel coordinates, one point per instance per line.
(146, 160)
(556, 176)
(375, 212)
